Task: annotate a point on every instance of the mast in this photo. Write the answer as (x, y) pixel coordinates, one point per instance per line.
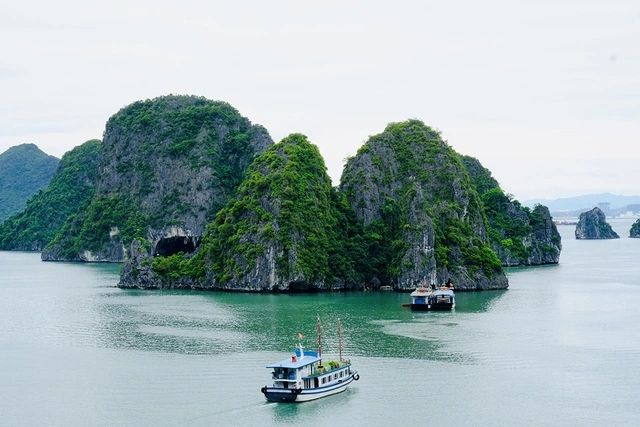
(319, 339)
(340, 339)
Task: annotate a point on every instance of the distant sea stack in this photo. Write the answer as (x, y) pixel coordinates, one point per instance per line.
(635, 229)
(167, 165)
(593, 225)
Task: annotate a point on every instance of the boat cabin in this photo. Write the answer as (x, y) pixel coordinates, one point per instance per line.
(423, 299)
(306, 370)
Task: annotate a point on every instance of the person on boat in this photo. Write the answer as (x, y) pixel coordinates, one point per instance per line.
(450, 284)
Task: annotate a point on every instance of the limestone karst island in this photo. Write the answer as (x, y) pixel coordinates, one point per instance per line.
(188, 193)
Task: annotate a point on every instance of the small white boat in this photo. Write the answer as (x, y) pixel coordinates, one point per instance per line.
(305, 376)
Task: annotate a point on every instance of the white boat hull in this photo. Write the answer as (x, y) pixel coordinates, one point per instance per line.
(279, 394)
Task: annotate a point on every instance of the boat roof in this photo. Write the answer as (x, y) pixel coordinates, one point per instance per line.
(422, 292)
(309, 357)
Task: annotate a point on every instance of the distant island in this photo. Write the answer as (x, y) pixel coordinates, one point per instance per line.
(593, 225)
(612, 205)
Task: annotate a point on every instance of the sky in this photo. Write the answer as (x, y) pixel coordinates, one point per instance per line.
(545, 94)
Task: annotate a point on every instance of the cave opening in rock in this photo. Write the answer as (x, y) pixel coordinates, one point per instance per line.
(173, 245)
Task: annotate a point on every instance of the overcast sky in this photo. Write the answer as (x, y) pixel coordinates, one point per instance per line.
(545, 94)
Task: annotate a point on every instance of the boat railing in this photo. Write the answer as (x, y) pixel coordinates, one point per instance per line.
(330, 366)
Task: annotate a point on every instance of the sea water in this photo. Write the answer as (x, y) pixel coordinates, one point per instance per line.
(560, 347)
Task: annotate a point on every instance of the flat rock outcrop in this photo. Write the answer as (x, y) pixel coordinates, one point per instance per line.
(593, 225)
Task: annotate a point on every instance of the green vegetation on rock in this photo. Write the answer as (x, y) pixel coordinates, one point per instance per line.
(284, 206)
(408, 186)
(518, 235)
(508, 230)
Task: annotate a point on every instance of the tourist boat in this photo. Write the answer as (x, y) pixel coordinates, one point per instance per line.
(305, 376)
(424, 299)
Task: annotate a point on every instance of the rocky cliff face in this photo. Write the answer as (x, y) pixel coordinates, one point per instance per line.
(408, 183)
(634, 232)
(593, 225)
(541, 243)
(166, 167)
(545, 242)
(517, 235)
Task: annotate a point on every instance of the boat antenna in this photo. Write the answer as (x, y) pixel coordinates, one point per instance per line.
(319, 339)
(340, 340)
(300, 345)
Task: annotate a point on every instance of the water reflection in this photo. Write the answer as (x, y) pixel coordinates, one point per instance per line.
(373, 324)
(167, 321)
(477, 302)
(312, 411)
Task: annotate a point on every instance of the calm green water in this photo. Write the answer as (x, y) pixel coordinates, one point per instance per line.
(561, 347)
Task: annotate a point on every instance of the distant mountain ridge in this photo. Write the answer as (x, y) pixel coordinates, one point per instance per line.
(24, 170)
(70, 187)
(584, 202)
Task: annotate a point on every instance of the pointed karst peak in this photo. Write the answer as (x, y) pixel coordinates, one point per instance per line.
(277, 233)
(593, 225)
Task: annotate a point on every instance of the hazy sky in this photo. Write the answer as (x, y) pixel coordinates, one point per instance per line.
(545, 94)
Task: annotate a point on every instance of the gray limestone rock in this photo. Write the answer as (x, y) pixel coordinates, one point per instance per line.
(593, 225)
